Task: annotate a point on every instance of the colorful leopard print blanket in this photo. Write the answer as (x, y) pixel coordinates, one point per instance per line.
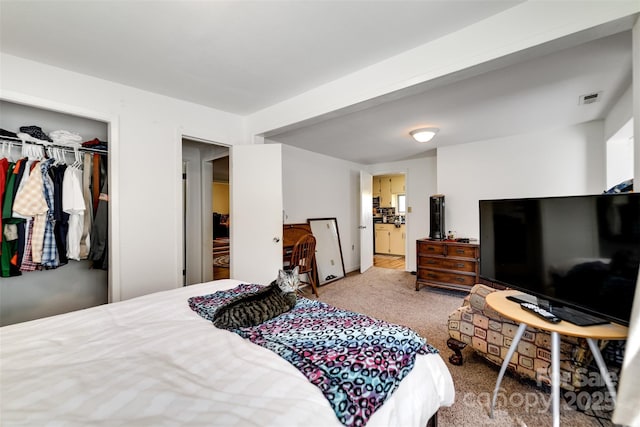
(356, 361)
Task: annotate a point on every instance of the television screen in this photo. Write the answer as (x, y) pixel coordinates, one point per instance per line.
(582, 252)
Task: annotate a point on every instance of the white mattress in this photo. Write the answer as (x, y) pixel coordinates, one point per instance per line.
(152, 361)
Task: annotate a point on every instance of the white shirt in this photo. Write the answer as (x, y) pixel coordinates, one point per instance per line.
(73, 204)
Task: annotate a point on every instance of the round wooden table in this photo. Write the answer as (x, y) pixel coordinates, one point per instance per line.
(512, 310)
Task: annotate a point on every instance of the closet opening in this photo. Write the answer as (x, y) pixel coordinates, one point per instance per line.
(206, 216)
(67, 268)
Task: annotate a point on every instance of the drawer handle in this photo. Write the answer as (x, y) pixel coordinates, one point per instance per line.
(459, 251)
(459, 279)
(460, 265)
(431, 248)
(431, 262)
(431, 275)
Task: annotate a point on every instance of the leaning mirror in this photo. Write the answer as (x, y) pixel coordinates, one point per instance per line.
(328, 250)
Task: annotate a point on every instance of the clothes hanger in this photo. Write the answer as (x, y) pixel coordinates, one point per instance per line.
(78, 161)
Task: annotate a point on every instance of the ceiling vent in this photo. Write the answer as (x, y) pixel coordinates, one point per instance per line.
(589, 98)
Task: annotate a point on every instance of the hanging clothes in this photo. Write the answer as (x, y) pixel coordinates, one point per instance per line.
(12, 249)
(4, 169)
(27, 259)
(18, 172)
(30, 201)
(95, 183)
(85, 240)
(73, 204)
(99, 250)
(8, 239)
(48, 209)
(49, 247)
(61, 218)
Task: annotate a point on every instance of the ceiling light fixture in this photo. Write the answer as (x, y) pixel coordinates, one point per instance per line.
(424, 134)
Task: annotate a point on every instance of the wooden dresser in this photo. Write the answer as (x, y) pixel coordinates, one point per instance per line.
(447, 264)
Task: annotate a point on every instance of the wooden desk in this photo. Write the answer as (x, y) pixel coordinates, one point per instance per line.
(290, 235)
(512, 310)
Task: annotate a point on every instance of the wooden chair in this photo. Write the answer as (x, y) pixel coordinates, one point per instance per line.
(303, 256)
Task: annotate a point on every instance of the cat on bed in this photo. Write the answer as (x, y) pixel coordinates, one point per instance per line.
(258, 307)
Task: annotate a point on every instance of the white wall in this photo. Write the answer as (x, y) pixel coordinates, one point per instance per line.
(620, 155)
(619, 114)
(420, 185)
(319, 186)
(15, 116)
(147, 160)
(618, 127)
(567, 161)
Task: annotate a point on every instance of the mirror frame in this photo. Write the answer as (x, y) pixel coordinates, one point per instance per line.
(322, 258)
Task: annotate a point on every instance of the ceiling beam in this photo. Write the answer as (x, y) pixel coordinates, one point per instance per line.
(510, 36)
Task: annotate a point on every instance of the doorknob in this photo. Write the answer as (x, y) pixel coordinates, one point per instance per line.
(362, 226)
(276, 239)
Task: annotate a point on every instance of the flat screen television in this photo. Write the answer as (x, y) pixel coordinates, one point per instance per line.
(578, 252)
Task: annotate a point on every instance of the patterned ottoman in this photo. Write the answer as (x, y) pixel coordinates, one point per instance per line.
(490, 335)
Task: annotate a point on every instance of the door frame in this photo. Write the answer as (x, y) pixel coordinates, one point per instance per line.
(203, 249)
(407, 221)
(367, 247)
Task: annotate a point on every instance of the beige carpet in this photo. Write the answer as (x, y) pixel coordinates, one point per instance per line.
(390, 295)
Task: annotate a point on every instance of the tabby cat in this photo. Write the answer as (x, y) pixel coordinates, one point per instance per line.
(257, 307)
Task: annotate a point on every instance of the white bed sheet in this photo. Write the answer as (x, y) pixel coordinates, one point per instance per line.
(152, 361)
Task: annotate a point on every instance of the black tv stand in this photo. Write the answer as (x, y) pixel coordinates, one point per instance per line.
(565, 313)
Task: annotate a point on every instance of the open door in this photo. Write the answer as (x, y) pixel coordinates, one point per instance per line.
(256, 210)
(366, 221)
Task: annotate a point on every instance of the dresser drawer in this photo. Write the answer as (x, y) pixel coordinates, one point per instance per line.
(462, 251)
(427, 248)
(446, 277)
(447, 264)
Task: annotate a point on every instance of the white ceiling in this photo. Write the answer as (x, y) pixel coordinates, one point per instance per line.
(529, 96)
(236, 56)
(243, 56)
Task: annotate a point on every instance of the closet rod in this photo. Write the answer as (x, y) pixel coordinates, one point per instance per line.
(46, 145)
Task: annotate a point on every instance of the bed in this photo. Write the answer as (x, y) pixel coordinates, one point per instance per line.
(153, 361)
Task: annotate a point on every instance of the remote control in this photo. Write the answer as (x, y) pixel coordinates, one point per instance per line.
(540, 312)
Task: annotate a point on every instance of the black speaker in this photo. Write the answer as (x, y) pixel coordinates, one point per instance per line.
(436, 224)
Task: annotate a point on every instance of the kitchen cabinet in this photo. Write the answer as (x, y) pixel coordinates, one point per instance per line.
(382, 238)
(386, 186)
(385, 192)
(446, 264)
(398, 184)
(397, 241)
(376, 186)
(390, 239)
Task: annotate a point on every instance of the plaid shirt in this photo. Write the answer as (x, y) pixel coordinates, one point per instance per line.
(49, 248)
(27, 261)
(30, 202)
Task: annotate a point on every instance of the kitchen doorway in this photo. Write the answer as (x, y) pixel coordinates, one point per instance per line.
(389, 221)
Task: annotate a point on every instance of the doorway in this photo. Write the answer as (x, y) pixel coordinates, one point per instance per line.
(389, 221)
(205, 176)
(221, 217)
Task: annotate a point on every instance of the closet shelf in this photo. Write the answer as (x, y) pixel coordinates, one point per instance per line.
(47, 145)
